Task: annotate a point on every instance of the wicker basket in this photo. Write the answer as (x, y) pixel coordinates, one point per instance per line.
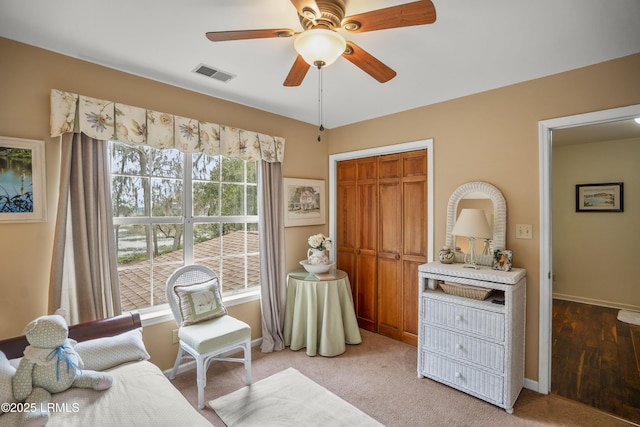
(459, 290)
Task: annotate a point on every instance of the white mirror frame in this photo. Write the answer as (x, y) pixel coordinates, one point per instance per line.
(499, 215)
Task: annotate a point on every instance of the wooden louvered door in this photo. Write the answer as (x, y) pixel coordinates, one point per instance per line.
(382, 238)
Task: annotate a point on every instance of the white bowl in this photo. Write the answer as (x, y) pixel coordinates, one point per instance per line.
(316, 268)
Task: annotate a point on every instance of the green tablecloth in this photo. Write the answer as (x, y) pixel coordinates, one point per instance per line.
(319, 314)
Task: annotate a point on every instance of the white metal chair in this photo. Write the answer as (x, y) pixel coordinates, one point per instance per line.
(205, 331)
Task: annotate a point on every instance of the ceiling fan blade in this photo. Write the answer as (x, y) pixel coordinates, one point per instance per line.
(307, 8)
(404, 15)
(223, 36)
(297, 73)
(368, 63)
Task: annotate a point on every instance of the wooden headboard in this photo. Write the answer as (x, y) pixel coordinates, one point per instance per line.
(14, 347)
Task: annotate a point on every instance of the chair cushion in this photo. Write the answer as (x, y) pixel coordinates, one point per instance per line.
(199, 302)
(204, 337)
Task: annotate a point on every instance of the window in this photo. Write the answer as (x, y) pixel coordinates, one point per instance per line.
(172, 209)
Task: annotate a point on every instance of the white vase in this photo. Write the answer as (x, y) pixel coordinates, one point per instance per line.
(317, 256)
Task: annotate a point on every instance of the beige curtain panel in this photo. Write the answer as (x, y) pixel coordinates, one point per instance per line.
(107, 120)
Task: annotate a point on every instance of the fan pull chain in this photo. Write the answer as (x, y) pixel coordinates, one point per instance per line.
(321, 128)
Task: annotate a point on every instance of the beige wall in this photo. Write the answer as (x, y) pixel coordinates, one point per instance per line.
(595, 254)
(27, 76)
(492, 137)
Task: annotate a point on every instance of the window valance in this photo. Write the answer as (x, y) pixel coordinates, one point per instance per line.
(109, 120)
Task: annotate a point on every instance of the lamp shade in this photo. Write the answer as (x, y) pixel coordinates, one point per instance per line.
(320, 47)
(472, 223)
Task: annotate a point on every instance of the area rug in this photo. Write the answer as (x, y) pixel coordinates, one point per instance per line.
(287, 398)
(628, 316)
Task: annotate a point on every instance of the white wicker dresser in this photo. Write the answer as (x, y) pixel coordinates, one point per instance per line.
(476, 346)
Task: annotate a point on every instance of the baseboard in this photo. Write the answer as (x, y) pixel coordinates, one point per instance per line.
(532, 385)
(188, 366)
(598, 302)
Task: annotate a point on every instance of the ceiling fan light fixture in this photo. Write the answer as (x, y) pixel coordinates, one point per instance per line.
(320, 47)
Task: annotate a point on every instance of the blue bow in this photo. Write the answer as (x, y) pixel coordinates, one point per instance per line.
(61, 353)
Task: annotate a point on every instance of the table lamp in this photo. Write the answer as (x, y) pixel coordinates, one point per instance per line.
(473, 224)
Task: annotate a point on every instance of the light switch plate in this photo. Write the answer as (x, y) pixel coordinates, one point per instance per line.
(524, 231)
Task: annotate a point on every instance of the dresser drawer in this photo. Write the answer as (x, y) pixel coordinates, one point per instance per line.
(471, 380)
(475, 321)
(465, 348)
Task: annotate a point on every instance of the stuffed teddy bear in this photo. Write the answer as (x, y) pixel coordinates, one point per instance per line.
(50, 365)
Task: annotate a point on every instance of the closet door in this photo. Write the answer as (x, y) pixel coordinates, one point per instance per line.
(346, 201)
(414, 238)
(366, 248)
(382, 238)
(390, 298)
(356, 234)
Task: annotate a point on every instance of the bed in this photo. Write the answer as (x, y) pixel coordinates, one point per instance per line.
(140, 395)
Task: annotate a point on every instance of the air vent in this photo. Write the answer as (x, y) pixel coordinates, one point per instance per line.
(213, 73)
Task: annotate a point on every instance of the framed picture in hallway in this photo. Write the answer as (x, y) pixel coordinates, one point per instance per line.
(22, 180)
(606, 197)
(304, 202)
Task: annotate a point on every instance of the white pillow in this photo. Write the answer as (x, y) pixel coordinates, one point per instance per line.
(199, 302)
(15, 362)
(6, 378)
(104, 353)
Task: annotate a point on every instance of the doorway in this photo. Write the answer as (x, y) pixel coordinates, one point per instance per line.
(546, 129)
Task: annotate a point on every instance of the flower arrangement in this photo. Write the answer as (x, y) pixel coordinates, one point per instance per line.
(320, 242)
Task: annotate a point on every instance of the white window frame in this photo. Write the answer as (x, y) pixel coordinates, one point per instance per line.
(160, 313)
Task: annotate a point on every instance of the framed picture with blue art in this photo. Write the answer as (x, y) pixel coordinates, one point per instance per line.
(606, 197)
(22, 180)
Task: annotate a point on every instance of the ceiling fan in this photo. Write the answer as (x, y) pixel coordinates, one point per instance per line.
(320, 20)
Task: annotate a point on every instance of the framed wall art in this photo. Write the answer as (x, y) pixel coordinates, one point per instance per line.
(606, 197)
(22, 180)
(304, 202)
(502, 259)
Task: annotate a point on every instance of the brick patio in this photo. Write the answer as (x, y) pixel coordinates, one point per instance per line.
(134, 279)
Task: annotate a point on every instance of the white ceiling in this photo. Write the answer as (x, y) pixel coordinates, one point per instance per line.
(472, 47)
(601, 132)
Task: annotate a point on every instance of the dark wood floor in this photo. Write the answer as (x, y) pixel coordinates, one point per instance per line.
(596, 358)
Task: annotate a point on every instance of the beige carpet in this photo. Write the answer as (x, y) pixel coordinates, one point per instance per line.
(379, 377)
(285, 399)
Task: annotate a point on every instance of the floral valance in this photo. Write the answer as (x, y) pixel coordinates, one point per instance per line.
(109, 120)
